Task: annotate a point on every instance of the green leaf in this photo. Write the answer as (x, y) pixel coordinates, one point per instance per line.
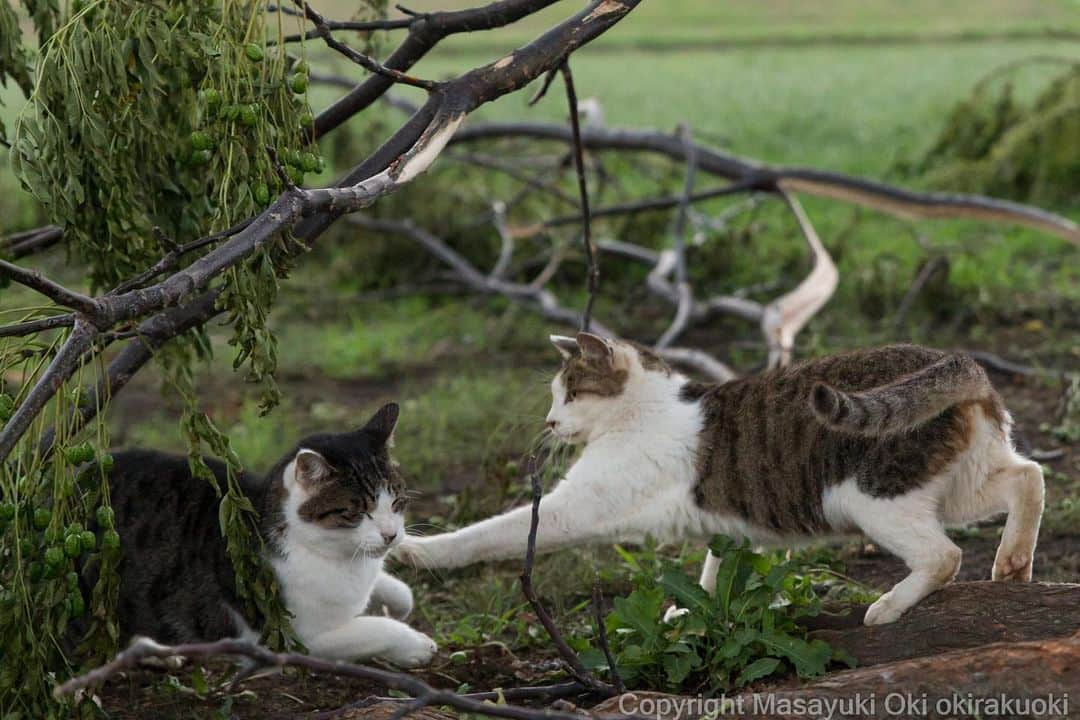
(809, 658)
(732, 575)
(678, 666)
(762, 667)
(641, 611)
(687, 592)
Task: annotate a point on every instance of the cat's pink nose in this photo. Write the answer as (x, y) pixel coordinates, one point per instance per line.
(388, 539)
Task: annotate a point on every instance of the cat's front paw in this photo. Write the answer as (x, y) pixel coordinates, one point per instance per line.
(413, 551)
(391, 597)
(413, 650)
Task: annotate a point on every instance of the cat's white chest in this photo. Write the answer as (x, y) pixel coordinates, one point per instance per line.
(323, 593)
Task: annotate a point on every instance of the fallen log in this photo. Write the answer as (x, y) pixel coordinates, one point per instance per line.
(1040, 678)
(959, 616)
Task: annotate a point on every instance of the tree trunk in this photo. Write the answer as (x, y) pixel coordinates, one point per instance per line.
(961, 615)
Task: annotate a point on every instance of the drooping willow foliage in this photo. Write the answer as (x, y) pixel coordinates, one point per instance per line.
(148, 125)
(992, 143)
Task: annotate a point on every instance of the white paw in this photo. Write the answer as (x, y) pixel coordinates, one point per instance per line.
(883, 611)
(395, 600)
(412, 551)
(412, 651)
(673, 613)
(1014, 567)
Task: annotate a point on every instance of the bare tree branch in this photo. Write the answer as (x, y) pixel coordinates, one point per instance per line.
(30, 242)
(56, 292)
(788, 314)
(424, 694)
(34, 326)
(823, 183)
(60, 369)
(404, 156)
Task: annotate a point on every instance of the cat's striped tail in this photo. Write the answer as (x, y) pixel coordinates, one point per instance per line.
(905, 403)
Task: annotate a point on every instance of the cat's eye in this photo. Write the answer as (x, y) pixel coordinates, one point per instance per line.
(400, 504)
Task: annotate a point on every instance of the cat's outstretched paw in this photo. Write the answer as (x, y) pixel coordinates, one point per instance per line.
(884, 611)
(413, 650)
(413, 551)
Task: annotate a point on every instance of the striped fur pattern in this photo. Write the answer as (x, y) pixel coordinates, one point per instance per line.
(905, 403)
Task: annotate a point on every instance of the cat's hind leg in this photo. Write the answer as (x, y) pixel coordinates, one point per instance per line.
(1022, 486)
(992, 479)
(909, 526)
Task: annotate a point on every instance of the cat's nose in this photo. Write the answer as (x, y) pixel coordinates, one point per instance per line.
(389, 539)
(552, 424)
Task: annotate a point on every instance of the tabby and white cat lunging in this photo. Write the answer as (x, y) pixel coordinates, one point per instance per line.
(894, 443)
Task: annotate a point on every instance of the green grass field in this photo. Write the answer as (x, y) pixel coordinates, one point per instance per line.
(863, 108)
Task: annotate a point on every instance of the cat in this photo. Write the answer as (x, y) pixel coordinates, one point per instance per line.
(894, 443)
(330, 510)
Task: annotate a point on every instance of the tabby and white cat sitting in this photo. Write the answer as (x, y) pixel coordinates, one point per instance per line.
(894, 443)
(331, 509)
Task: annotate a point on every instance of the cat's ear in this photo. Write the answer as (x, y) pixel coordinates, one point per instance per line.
(595, 347)
(311, 467)
(567, 346)
(383, 422)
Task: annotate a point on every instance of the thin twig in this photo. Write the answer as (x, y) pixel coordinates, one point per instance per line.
(172, 258)
(601, 635)
(354, 25)
(654, 204)
(56, 292)
(996, 363)
(569, 657)
(369, 64)
(931, 268)
(33, 326)
(593, 272)
(63, 365)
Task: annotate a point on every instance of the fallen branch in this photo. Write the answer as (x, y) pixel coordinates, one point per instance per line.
(424, 694)
(788, 314)
(867, 193)
(959, 616)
